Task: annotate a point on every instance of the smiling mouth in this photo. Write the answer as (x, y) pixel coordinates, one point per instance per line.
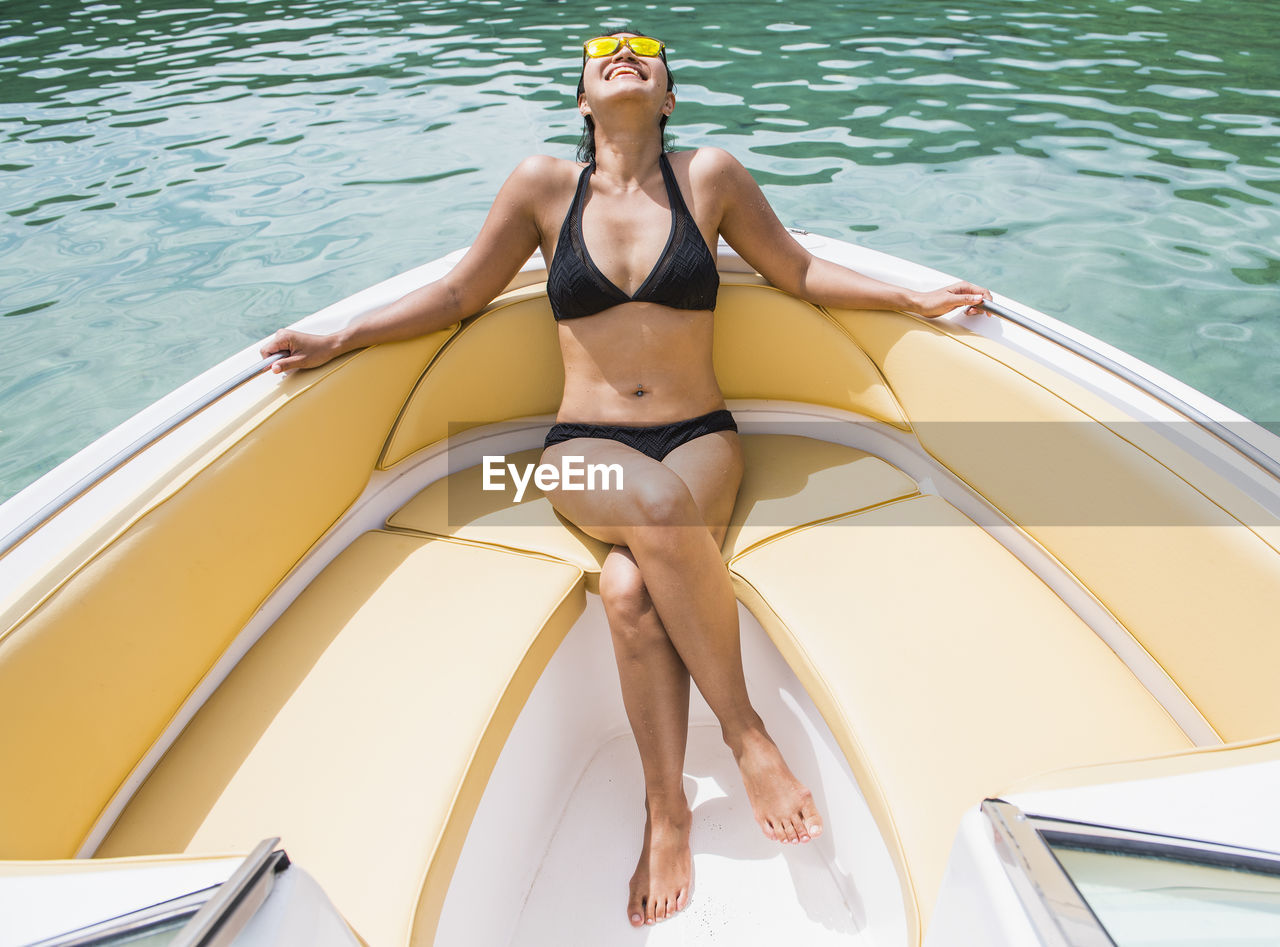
(623, 69)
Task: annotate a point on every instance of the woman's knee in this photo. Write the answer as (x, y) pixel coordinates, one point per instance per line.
(665, 502)
(627, 603)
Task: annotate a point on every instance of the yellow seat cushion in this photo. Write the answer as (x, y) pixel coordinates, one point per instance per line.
(503, 364)
(366, 720)
(458, 506)
(770, 345)
(1167, 766)
(506, 364)
(1173, 566)
(945, 669)
(98, 668)
(789, 481)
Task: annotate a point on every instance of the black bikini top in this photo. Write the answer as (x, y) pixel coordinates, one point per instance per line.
(684, 277)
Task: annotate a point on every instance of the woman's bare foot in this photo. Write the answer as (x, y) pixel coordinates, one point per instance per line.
(660, 886)
(782, 805)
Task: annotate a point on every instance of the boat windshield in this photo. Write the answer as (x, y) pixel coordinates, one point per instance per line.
(210, 914)
(1166, 894)
(153, 935)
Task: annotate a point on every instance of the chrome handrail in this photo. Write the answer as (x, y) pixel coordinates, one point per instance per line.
(1163, 395)
(125, 454)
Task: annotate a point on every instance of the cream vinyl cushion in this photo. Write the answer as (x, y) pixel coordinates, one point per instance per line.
(1196, 587)
(943, 667)
(769, 345)
(363, 726)
(458, 506)
(1166, 766)
(505, 364)
(502, 364)
(96, 670)
(789, 481)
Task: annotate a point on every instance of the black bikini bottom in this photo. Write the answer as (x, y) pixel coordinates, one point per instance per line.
(656, 440)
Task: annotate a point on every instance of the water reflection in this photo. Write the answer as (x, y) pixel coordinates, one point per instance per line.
(182, 180)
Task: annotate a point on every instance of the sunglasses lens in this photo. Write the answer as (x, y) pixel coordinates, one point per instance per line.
(602, 46)
(644, 45)
(608, 45)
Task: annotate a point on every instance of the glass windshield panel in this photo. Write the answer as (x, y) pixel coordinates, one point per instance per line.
(158, 935)
(1152, 900)
(153, 926)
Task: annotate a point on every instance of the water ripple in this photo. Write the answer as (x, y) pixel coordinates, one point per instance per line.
(176, 182)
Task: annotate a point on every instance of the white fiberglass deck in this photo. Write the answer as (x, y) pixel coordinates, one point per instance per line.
(746, 890)
(567, 884)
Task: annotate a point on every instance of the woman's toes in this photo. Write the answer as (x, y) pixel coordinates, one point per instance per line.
(635, 910)
(793, 837)
(811, 821)
(802, 827)
(780, 831)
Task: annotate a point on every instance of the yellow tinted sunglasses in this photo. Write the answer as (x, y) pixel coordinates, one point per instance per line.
(608, 45)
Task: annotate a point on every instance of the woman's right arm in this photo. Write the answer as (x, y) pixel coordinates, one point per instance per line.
(508, 237)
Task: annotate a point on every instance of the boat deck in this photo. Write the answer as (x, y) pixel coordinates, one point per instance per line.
(332, 731)
(747, 889)
(342, 640)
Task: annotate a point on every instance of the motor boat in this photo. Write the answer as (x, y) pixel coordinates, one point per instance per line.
(285, 659)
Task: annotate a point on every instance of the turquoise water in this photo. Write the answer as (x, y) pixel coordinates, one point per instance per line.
(179, 179)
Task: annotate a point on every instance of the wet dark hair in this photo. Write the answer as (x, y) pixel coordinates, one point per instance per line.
(587, 143)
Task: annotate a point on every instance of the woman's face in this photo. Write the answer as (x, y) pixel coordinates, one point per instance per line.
(624, 76)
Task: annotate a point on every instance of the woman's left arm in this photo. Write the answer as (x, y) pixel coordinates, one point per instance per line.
(750, 226)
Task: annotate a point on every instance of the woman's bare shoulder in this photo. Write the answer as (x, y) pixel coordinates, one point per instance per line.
(545, 170)
(716, 176)
(709, 160)
(714, 168)
(537, 181)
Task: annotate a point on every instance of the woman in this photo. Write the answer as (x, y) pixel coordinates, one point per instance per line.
(635, 336)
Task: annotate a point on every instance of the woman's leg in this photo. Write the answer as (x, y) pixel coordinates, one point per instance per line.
(783, 807)
(655, 690)
(656, 517)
